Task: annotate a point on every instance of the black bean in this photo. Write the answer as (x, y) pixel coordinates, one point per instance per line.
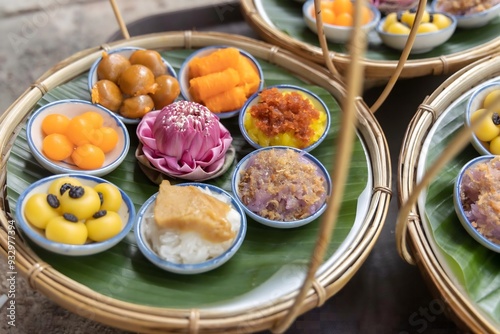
(64, 187)
(495, 118)
(76, 192)
(70, 217)
(101, 197)
(99, 214)
(53, 201)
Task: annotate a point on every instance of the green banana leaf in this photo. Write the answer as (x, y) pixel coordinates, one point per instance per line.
(286, 15)
(471, 265)
(125, 274)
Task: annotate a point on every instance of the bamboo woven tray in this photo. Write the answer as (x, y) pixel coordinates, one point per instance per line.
(131, 293)
(461, 271)
(280, 22)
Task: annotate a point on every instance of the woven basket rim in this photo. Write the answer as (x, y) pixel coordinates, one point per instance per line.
(464, 311)
(88, 303)
(375, 69)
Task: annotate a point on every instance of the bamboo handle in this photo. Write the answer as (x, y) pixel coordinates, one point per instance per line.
(120, 20)
(402, 60)
(322, 39)
(342, 161)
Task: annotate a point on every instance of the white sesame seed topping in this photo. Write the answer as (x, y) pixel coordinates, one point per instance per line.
(184, 115)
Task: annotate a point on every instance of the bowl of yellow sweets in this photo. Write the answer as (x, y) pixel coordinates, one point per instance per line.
(69, 136)
(220, 78)
(74, 214)
(486, 136)
(285, 115)
(434, 29)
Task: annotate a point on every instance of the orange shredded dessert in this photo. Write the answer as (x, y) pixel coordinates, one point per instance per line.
(290, 113)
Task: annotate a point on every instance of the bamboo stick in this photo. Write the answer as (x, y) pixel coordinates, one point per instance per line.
(341, 164)
(120, 20)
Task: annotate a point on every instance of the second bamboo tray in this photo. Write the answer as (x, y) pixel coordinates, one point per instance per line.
(280, 22)
(464, 274)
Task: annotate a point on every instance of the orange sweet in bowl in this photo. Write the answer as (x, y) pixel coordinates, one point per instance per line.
(77, 136)
(338, 18)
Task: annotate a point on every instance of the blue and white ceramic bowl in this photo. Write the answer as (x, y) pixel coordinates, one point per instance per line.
(457, 201)
(475, 20)
(147, 212)
(72, 108)
(475, 103)
(424, 42)
(126, 52)
(126, 212)
(317, 102)
(242, 165)
(184, 74)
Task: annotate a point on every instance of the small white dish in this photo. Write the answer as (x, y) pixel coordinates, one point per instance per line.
(335, 33)
(72, 108)
(242, 165)
(475, 20)
(126, 212)
(317, 102)
(424, 42)
(457, 201)
(146, 212)
(475, 103)
(184, 75)
(126, 52)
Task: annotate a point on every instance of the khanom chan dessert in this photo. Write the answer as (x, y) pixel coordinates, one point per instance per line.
(480, 197)
(285, 117)
(184, 140)
(282, 185)
(191, 224)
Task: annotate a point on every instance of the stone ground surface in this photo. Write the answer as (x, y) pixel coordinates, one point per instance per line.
(385, 296)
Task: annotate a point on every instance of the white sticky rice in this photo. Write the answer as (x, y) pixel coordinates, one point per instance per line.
(189, 247)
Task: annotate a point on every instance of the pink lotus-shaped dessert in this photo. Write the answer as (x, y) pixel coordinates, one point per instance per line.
(184, 140)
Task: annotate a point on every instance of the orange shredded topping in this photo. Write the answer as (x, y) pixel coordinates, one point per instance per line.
(281, 113)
